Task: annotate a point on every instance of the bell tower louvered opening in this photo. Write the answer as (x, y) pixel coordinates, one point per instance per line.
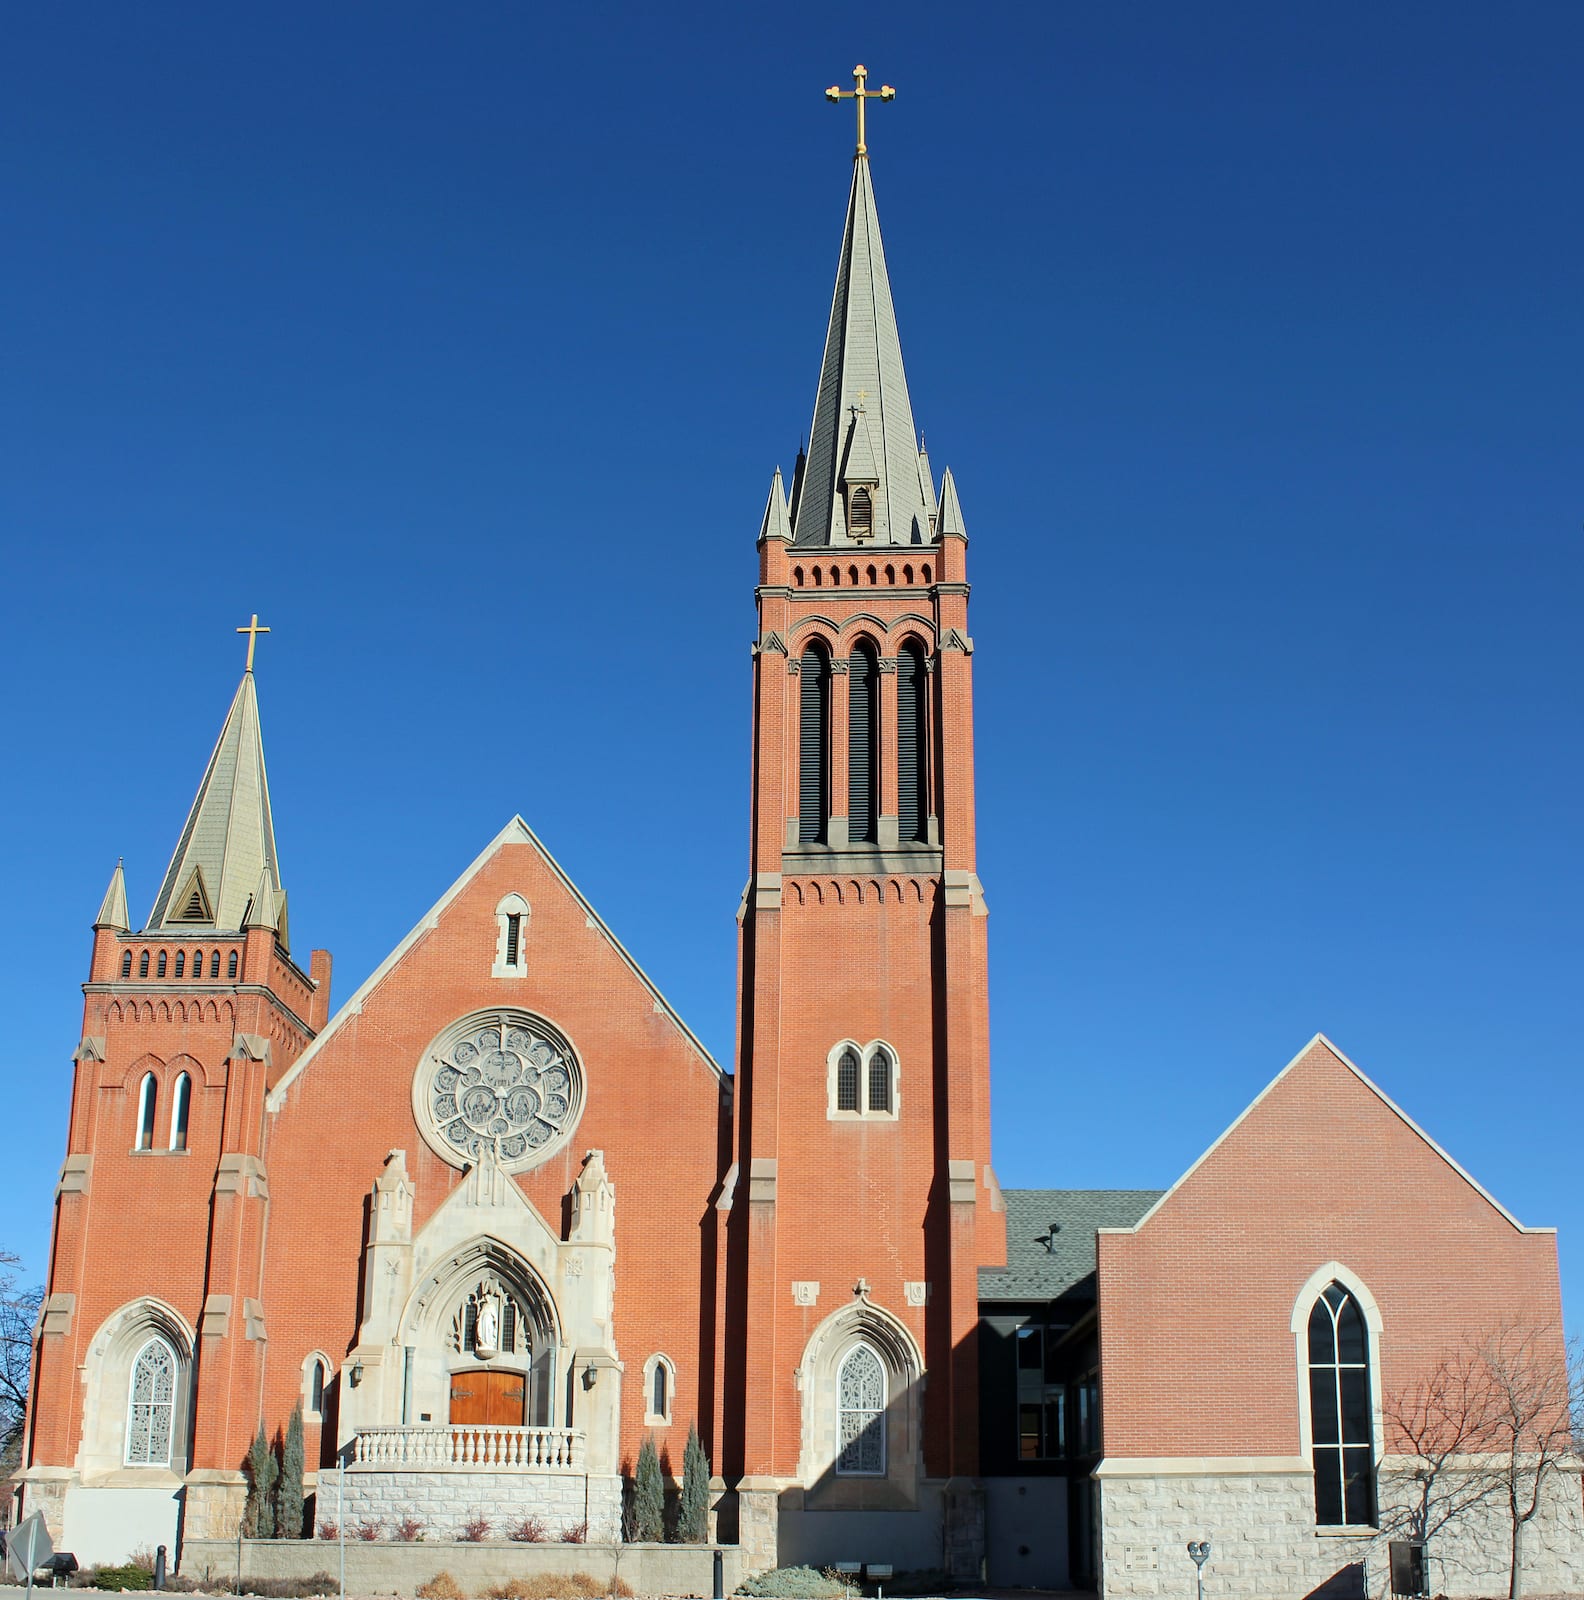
(912, 745)
(192, 904)
(863, 740)
(860, 516)
(814, 746)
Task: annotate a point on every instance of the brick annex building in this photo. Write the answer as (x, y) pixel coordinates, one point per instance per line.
(439, 1218)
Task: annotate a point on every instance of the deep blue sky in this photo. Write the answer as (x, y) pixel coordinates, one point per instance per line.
(460, 342)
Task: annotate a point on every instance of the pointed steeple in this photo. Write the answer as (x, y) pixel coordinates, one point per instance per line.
(863, 419)
(261, 911)
(228, 845)
(951, 517)
(927, 483)
(113, 909)
(775, 524)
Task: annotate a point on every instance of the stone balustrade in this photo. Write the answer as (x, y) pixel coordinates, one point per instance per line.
(475, 1447)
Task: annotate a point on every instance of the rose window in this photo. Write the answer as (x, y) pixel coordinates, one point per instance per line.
(506, 1082)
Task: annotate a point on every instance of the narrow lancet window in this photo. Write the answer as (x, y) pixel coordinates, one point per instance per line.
(863, 740)
(912, 744)
(880, 1081)
(151, 1406)
(847, 1081)
(860, 1415)
(814, 746)
(1341, 1413)
(148, 1094)
(180, 1105)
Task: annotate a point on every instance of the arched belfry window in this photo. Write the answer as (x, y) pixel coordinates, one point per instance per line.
(511, 944)
(814, 680)
(860, 520)
(912, 744)
(1341, 1411)
(863, 744)
(860, 1414)
(148, 1094)
(151, 1406)
(181, 1105)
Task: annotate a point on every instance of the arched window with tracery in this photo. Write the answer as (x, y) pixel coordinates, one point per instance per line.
(814, 682)
(1341, 1411)
(151, 1406)
(860, 1414)
(181, 1105)
(148, 1095)
(912, 744)
(880, 1080)
(847, 1074)
(863, 745)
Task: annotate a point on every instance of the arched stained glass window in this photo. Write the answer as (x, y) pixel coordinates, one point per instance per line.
(880, 1081)
(860, 1414)
(151, 1406)
(847, 1081)
(1341, 1412)
(814, 745)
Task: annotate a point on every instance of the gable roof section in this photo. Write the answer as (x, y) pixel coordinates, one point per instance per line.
(515, 832)
(1042, 1265)
(1385, 1100)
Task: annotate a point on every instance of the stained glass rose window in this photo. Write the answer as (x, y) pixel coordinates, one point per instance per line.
(505, 1081)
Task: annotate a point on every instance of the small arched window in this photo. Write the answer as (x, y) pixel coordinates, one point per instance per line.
(1341, 1411)
(181, 1101)
(863, 745)
(148, 1095)
(511, 953)
(659, 1375)
(151, 1406)
(926, 572)
(860, 1415)
(912, 744)
(143, 964)
(797, 576)
(126, 963)
(197, 965)
(316, 1389)
(861, 521)
(159, 965)
(231, 965)
(214, 964)
(814, 746)
(880, 1080)
(847, 1075)
(181, 963)
(660, 1395)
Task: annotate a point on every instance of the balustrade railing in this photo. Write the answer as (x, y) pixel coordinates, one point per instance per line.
(474, 1447)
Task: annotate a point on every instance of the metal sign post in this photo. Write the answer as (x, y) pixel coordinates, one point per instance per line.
(28, 1548)
(1199, 1553)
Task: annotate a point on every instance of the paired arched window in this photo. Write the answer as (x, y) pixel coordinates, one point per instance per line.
(862, 1082)
(860, 1414)
(814, 681)
(151, 1406)
(848, 1077)
(863, 746)
(912, 744)
(880, 1080)
(1341, 1410)
(181, 1104)
(148, 1095)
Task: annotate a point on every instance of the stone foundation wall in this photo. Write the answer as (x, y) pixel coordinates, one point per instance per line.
(385, 1568)
(1264, 1544)
(444, 1501)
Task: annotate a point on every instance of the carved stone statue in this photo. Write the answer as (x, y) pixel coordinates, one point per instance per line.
(486, 1336)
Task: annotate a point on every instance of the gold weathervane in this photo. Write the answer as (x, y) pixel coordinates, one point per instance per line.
(252, 630)
(860, 94)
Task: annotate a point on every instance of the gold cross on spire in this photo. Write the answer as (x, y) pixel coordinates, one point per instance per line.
(252, 630)
(860, 94)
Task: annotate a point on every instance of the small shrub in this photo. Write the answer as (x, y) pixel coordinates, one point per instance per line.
(793, 1583)
(122, 1578)
(329, 1529)
(142, 1558)
(576, 1534)
(321, 1583)
(369, 1529)
(531, 1530)
(475, 1529)
(442, 1586)
(407, 1530)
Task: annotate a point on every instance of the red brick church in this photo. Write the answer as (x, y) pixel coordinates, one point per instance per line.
(498, 1214)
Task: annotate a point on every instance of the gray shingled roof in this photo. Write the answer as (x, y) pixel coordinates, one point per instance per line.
(230, 834)
(1034, 1272)
(862, 369)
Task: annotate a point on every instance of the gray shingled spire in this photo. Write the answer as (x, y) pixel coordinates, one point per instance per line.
(229, 841)
(113, 909)
(775, 525)
(863, 421)
(951, 517)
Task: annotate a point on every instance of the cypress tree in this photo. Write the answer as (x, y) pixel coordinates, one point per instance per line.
(258, 1516)
(289, 1504)
(693, 1514)
(648, 1495)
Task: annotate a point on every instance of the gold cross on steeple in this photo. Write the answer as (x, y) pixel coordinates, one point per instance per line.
(860, 94)
(252, 630)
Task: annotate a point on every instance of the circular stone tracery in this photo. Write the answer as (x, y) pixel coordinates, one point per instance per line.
(499, 1080)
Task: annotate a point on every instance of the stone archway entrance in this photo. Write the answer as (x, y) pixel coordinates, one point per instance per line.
(481, 1398)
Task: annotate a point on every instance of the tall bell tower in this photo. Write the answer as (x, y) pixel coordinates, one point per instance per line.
(863, 1201)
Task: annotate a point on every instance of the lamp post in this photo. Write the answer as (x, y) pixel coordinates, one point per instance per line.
(1199, 1553)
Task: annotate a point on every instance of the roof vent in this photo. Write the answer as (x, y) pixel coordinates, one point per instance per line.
(194, 900)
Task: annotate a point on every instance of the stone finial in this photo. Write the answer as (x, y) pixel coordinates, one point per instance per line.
(593, 1202)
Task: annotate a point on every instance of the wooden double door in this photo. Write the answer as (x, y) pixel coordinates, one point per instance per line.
(489, 1399)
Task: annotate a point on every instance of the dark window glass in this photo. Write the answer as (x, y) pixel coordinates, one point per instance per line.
(179, 1110)
(1322, 1336)
(1030, 1445)
(197, 965)
(847, 1081)
(1352, 1340)
(143, 964)
(126, 964)
(513, 930)
(912, 742)
(316, 1394)
(658, 1405)
(880, 1081)
(1030, 1349)
(509, 1327)
(1341, 1418)
(159, 966)
(470, 1326)
(181, 963)
(814, 746)
(1323, 1409)
(231, 965)
(214, 965)
(1056, 1424)
(863, 744)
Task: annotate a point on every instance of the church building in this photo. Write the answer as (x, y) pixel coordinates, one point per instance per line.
(554, 1225)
